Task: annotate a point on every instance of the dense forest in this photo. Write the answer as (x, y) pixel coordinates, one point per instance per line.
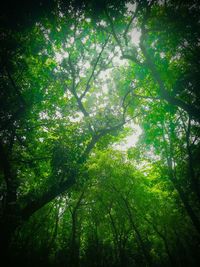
(100, 133)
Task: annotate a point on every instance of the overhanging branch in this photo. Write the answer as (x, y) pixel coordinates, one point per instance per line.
(93, 70)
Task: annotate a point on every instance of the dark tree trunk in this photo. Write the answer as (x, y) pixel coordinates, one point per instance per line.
(138, 235)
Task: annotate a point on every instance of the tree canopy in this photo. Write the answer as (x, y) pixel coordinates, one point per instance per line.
(78, 80)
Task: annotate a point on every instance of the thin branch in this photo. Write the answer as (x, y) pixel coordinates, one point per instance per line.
(80, 105)
(96, 137)
(73, 89)
(113, 31)
(94, 68)
(133, 58)
(130, 22)
(15, 87)
(135, 95)
(72, 72)
(147, 97)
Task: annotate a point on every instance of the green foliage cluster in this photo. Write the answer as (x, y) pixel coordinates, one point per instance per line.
(74, 76)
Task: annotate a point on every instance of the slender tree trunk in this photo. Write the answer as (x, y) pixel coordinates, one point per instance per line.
(193, 178)
(139, 237)
(9, 214)
(115, 236)
(172, 177)
(195, 220)
(164, 239)
(74, 242)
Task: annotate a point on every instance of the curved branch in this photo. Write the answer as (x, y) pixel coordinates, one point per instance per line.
(93, 70)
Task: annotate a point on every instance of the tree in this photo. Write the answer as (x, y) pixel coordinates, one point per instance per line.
(73, 78)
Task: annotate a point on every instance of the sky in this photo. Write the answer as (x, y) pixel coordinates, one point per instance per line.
(131, 139)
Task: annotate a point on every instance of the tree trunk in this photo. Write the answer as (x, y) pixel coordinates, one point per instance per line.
(139, 237)
(164, 94)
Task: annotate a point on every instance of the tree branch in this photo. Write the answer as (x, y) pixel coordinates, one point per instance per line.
(132, 58)
(21, 99)
(130, 22)
(113, 31)
(93, 70)
(164, 94)
(53, 192)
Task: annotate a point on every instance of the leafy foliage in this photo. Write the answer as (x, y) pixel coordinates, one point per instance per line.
(75, 75)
